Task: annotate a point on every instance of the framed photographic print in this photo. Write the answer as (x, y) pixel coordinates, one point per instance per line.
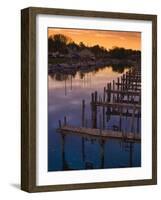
(89, 99)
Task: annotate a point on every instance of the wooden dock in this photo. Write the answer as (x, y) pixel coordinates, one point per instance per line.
(103, 134)
(118, 105)
(121, 98)
(124, 92)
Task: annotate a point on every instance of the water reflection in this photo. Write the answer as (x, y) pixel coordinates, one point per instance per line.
(71, 152)
(68, 75)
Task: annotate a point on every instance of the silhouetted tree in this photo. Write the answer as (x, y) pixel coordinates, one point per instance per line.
(58, 43)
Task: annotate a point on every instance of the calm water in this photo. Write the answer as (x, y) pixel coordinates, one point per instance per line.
(65, 94)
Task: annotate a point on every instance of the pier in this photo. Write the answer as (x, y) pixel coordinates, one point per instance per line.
(103, 134)
(121, 98)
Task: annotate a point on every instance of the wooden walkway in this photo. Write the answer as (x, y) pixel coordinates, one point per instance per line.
(117, 105)
(103, 134)
(124, 92)
(122, 98)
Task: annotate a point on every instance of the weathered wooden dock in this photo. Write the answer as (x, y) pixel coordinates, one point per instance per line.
(103, 134)
(121, 98)
(118, 105)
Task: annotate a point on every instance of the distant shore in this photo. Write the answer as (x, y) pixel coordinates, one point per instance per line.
(89, 65)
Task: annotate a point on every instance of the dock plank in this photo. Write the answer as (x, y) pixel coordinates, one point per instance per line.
(115, 105)
(104, 134)
(124, 92)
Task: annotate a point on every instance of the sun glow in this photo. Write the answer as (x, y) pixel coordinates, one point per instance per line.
(107, 39)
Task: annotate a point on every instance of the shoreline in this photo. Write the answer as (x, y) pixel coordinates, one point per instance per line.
(89, 66)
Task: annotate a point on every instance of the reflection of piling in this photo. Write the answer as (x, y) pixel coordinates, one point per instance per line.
(65, 121)
(109, 92)
(60, 124)
(83, 149)
(131, 155)
(94, 110)
(100, 125)
(120, 121)
(65, 87)
(63, 151)
(113, 90)
(103, 114)
(132, 120)
(102, 156)
(118, 84)
(71, 86)
(83, 113)
(138, 116)
(104, 94)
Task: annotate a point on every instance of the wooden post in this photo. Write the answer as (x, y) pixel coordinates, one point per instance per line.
(121, 83)
(113, 97)
(140, 99)
(127, 112)
(126, 82)
(102, 144)
(65, 87)
(100, 120)
(83, 149)
(123, 80)
(120, 124)
(109, 92)
(127, 98)
(99, 98)
(113, 84)
(94, 115)
(138, 116)
(132, 119)
(95, 96)
(59, 123)
(129, 79)
(118, 82)
(86, 123)
(131, 155)
(108, 113)
(104, 92)
(63, 151)
(71, 82)
(92, 97)
(65, 121)
(83, 112)
(103, 113)
(136, 85)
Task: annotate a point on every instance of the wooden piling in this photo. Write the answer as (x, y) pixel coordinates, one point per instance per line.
(132, 119)
(83, 149)
(92, 98)
(103, 114)
(60, 124)
(95, 96)
(63, 151)
(104, 92)
(120, 122)
(65, 121)
(118, 81)
(71, 85)
(100, 125)
(102, 156)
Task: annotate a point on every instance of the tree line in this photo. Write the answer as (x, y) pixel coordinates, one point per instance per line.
(61, 43)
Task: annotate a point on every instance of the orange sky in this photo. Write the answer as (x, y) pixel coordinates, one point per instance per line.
(107, 39)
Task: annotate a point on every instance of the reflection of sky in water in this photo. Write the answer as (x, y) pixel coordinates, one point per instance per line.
(64, 99)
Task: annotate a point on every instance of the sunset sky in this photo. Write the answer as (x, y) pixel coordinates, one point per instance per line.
(107, 39)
